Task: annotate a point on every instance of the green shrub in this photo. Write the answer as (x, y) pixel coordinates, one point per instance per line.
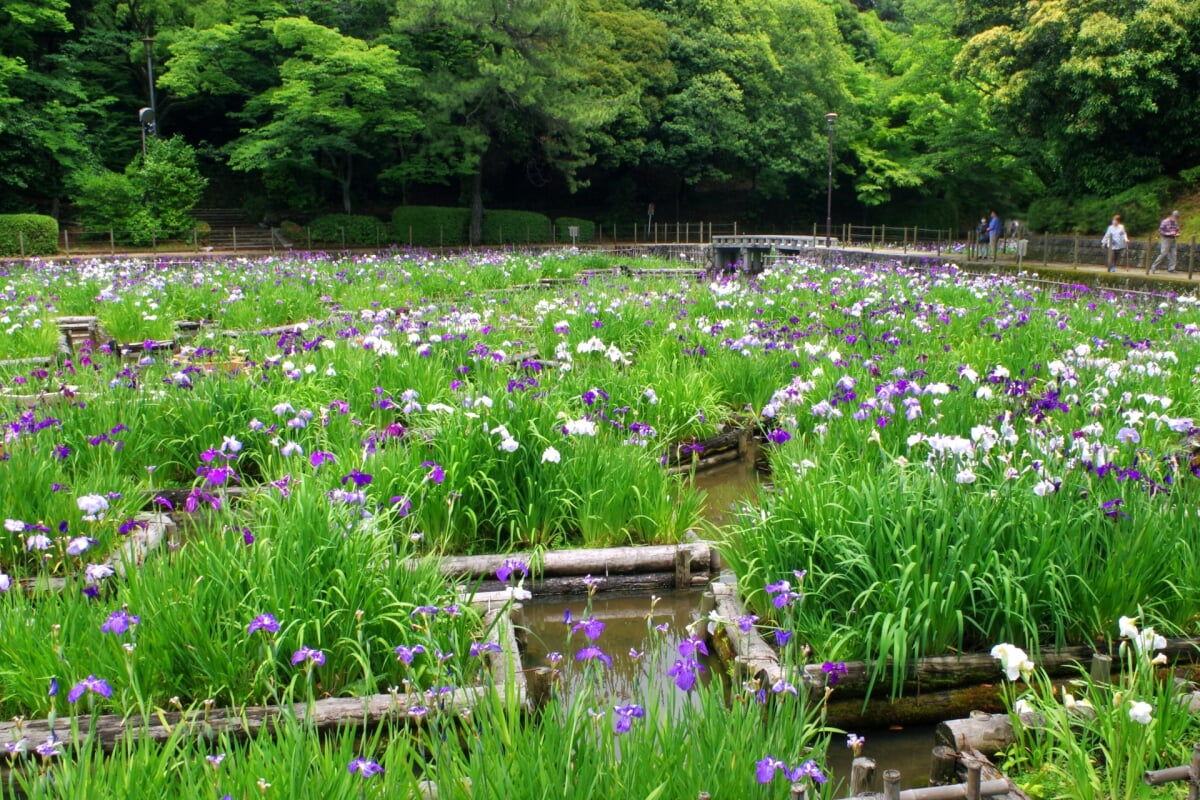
(1049, 214)
(430, 226)
(39, 232)
(358, 230)
(515, 227)
(587, 229)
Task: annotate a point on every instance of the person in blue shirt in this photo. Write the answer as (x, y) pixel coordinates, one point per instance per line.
(993, 231)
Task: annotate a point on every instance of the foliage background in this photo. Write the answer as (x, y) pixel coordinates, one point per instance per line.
(1065, 110)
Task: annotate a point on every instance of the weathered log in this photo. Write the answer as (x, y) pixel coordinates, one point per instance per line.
(746, 649)
(599, 562)
(989, 772)
(109, 730)
(935, 672)
(32, 361)
(987, 733)
(924, 708)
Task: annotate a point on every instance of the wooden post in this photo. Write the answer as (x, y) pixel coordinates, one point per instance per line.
(974, 777)
(1101, 669)
(799, 791)
(378, 236)
(1146, 256)
(683, 568)
(1191, 257)
(883, 236)
(67, 245)
(862, 775)
(704, 796)
(153, 239)
(308, 236)
(1045, 248)
(943, 769)
(195, 241)
(1075, 256)
(410, 235)
(342, 233)
(21, 239)
(872, 238)
(112, 243)
(235, 239)
(891, 784)
(735, 228)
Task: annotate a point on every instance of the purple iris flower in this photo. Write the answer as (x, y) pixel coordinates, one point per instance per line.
(689, 647)
(263, 622)
(764, 771)
(808, 769)
(119, 622)
(510, 566)
(591, 627)
(436, 473)
(365, 767)
(360, 479)
(685, 672)
(89, 684)
(592, 652)
(407, 654)
(623, 717)
(834, 671)
(308, 654)
(779, 436)
(481, 648)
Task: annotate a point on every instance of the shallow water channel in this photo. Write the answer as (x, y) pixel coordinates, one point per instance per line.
(626, 628)
(729, 486)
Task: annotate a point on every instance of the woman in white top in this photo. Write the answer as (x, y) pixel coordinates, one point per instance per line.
(1115, 243)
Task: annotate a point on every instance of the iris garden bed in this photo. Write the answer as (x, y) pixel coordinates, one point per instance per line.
(956, 461)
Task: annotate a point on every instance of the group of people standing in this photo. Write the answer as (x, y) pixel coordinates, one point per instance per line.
(1116, 243)
(989, 231)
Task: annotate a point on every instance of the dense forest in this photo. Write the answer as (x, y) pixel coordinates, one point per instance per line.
(1062, 110)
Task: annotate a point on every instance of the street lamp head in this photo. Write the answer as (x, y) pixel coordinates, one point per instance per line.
(830, 117)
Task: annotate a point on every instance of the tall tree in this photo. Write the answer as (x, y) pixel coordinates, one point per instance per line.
(338, 100)
(504, 81)
(1100, 94)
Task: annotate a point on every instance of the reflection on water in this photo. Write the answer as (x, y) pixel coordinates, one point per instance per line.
(625, 628)
(729, 486)
(909, 750)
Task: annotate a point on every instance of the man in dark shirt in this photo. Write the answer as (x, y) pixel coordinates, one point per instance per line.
(1168, 234)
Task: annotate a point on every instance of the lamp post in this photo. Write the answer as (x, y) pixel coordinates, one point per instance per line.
(149, 42)
(831, 117)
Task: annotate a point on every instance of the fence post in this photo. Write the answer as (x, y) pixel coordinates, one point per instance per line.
(234, 229)
(735, 227)
(656, 233)
(974, 778)
(1046, 248)
(378, 237)
(1191, 257)
(342, 233)
(112, 242)
(195, 241)
(891, 784)
(21, 239)
(1146, 256)
(308, 237)
(67, 246)
(153, 239)
(1075, 255)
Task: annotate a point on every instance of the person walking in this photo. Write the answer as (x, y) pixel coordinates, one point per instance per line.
(980, 238)
(1168, 234)
(993, 231)
(1115, 243)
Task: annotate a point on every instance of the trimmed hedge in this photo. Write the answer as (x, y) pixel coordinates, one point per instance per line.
(40, 233)
(515, 227)
(587, 229)
(430, 226)
(360, 231)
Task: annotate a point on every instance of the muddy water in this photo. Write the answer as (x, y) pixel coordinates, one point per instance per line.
(729, 486)
(626, 628)
(908, 750)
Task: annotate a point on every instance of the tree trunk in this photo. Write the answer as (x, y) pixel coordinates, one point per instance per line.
(475, 230)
